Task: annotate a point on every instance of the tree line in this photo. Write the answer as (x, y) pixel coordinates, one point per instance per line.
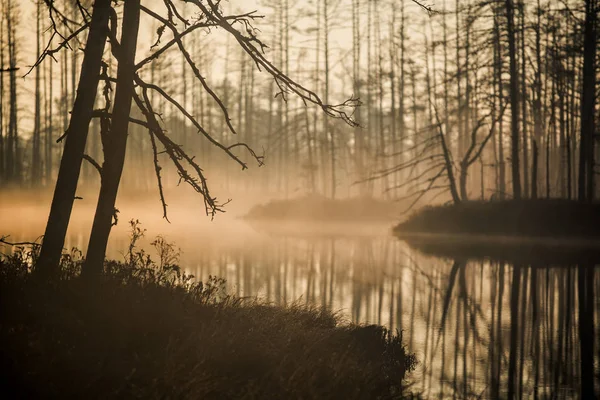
(509, 87)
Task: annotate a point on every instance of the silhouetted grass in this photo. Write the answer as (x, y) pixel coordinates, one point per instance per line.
(531, 218)
(146, 330)
(320, 208)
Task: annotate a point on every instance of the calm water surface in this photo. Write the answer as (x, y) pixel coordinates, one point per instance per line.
(479, 328)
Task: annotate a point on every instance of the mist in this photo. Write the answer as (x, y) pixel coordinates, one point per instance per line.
(320, 199)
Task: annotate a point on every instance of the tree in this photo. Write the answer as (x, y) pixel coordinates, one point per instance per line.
(514, 99)
(115, 140)
(13, 152)
(75, 140)
(588, 103)
(2, 140)
(36, 172)
(116, 123)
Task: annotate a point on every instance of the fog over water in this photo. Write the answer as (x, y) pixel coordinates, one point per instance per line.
(457, 316)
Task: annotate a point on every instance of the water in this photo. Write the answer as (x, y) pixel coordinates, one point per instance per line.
(478, 328)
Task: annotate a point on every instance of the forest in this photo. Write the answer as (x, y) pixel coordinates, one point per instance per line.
(503, 92)
(368, 141)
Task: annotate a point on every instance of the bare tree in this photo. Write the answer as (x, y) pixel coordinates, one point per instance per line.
(36, 172)
(75, 138)
(114, 139)
(588, 102)
(115, 124)
(514, 99)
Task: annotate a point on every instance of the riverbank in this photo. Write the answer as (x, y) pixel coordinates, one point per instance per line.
(145, 331)
(322, 209)
(560, 219)
(527, 232)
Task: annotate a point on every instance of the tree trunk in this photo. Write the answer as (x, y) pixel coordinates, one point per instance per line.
(2, 144)
(514, 99)
(459, 123)
(462, 180)
(498, 73)
(36, 171)
(449, 165)
(586, 149)
(358, 132)
(382, 164)
(524, 103)
(49, 127)
(537, 103)
(534, 171)
(392, 76)
(116, 141)
(70, 165)
(13, 162)
(326, 131)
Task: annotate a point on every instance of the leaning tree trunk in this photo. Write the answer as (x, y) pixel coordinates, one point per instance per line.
(76, 137)
(116, 141)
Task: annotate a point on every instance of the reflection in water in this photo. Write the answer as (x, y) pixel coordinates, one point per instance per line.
(479, 329)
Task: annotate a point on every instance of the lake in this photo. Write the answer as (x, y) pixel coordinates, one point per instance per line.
(480, 328)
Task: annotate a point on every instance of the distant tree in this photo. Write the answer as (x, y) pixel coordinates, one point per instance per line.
(588, 102)
(514, 99)
(36, 170)
(2, 65)
(13, 151)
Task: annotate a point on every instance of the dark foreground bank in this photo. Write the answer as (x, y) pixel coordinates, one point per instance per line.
(525, 218)
(146, 331)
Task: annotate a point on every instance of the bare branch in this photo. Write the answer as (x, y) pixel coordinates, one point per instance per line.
(284, 83)
(94, 163)
(48, 52)
(3, 240)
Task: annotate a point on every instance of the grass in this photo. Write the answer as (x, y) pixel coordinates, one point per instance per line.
(320, 208)
(529, 218)
(147, 330)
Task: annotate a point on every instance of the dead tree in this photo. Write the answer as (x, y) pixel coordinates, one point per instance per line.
(75, 136)
(588, 102)
(13, 153)
(514, 99)
(128, 79)
(115, 139)
(475, 150)
(36, 172)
